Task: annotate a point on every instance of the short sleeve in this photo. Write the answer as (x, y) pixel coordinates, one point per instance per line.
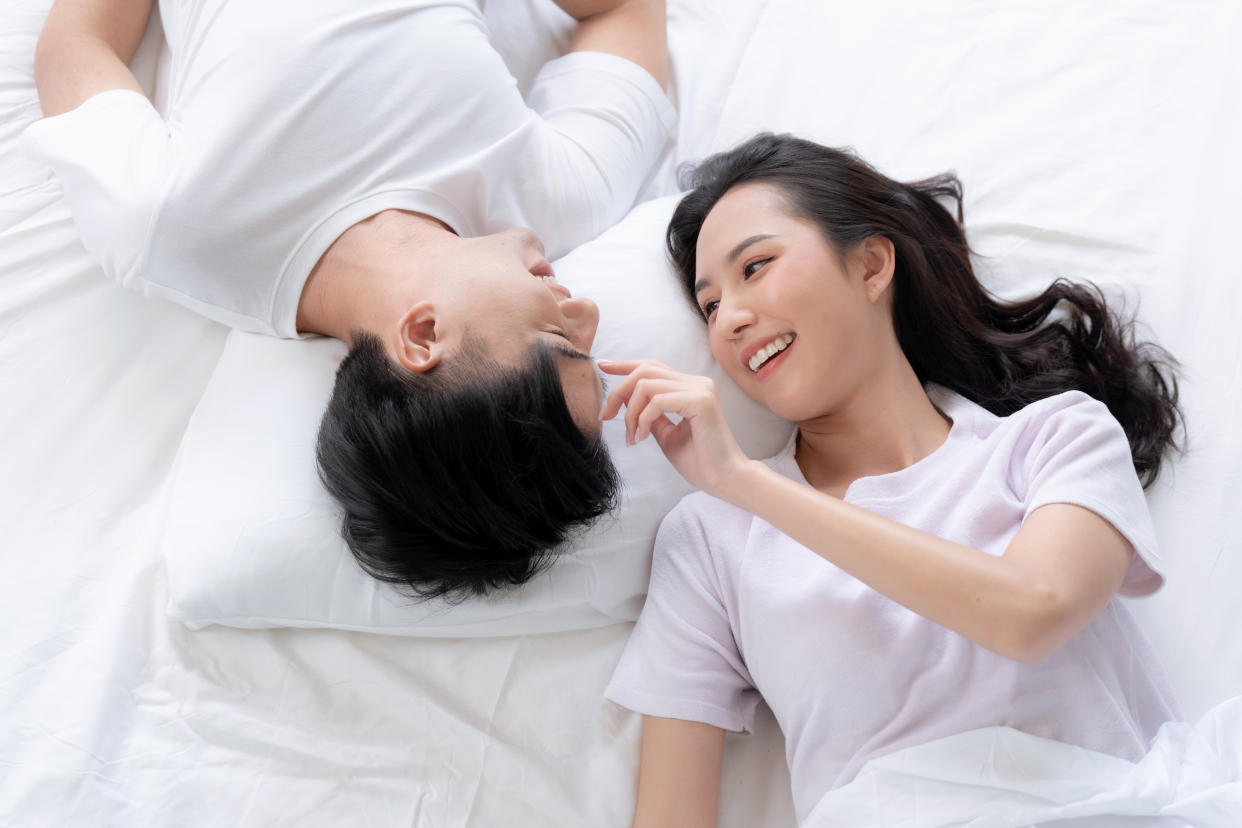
(111, 156)
(681, 661)
(604, 121)
(1079, 455)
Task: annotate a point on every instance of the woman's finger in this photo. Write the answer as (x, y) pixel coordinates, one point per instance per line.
(621, 394)
(682, 401)
(624, 366)
(644, 390)
(652, 413)
(662, 428)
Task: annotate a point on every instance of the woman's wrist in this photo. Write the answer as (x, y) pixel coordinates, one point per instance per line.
(743, 487)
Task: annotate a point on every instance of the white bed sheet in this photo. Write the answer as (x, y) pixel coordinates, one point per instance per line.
(111, 714)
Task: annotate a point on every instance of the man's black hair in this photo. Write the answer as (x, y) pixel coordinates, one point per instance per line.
(462, 479)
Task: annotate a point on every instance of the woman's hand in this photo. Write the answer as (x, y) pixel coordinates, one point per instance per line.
(701, 447)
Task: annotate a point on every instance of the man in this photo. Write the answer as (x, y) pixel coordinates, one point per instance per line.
(355, 170)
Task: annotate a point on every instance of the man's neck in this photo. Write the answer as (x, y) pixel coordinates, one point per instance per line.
(367, 278)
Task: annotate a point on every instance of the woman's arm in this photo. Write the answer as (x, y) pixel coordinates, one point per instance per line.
(632, 29)
(678, 774)
(85, 48)
(1061, 569)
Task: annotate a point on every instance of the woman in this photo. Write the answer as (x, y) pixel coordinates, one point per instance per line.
(938, 547)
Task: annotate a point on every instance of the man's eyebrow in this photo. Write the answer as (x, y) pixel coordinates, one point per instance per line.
(561, 349)
(568, 351)
(734, 253)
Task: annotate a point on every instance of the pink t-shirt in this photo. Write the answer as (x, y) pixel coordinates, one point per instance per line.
(737, 610)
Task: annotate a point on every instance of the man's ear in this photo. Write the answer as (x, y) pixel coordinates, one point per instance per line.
(878, 259)
(418, 349)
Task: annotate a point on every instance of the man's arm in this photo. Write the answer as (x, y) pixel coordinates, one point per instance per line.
(632, 29)
(85, 48)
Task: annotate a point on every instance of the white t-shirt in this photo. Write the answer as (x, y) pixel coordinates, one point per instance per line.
(736, 609)
(288, 121)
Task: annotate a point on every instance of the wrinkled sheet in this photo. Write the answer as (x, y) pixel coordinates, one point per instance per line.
(1095, 140)
(996, 777)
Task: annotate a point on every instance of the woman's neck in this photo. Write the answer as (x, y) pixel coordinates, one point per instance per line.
(886, 425)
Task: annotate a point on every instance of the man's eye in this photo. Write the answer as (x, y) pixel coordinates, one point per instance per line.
(751, 267)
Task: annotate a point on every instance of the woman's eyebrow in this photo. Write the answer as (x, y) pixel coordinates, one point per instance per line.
(734, 253)
(745, 243)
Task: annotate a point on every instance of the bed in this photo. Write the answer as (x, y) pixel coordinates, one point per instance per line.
(1095, 141)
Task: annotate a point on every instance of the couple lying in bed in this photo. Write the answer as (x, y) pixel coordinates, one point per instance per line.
(938, 547)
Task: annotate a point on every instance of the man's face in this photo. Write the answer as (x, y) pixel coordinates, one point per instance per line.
(503, 288)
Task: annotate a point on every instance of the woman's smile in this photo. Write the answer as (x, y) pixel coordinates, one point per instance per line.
(769, 367)
(761, 359)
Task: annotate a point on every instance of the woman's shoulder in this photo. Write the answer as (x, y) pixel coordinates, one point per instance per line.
(700, 515)
(1077, 401)
(1052, 431)
(1068, 409)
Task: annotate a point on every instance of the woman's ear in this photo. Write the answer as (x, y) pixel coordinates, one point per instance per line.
(418, 349)
(878, 259)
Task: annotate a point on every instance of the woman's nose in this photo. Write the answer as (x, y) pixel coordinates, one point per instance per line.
(733, 318)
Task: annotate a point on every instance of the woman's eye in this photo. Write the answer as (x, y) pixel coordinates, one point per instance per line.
(751, 267)
(709, 308)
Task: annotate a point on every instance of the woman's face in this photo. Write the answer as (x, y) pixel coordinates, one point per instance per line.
(796, 324)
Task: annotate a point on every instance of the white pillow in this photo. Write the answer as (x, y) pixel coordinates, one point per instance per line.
(252, 538)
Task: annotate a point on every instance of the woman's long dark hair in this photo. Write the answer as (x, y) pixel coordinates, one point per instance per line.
(1002, 355)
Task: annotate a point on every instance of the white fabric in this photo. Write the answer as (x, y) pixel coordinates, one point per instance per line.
(261, 158)
(737, 609)
(252, 539)
(1096, 141)
(999, 777)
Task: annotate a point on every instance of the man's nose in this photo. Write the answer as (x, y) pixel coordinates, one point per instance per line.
(528, 240)
(583, 315)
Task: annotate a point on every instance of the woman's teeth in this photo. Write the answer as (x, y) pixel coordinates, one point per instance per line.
(545, 278)
(770, 350)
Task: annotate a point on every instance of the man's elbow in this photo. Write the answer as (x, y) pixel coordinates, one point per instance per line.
(81, 52)
(48, 51)
(58, 68)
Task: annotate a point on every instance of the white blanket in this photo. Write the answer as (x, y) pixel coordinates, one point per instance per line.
(1002, 778)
